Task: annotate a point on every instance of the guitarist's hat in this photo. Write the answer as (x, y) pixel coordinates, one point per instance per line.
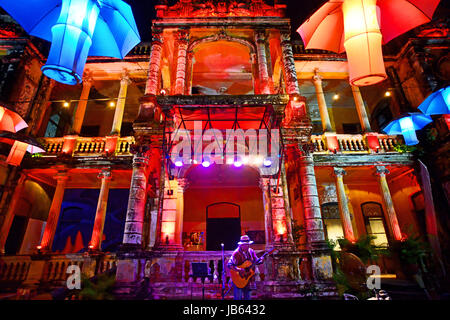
(245, 240)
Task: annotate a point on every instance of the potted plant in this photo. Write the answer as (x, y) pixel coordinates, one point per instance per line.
(410, 252)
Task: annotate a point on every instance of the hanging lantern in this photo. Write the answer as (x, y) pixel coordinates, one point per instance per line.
(71, 40)
(360, 27)
(10, 120)
(437, 103)
(407, 126)
(20, 145)
(363, 42)
(77, 29)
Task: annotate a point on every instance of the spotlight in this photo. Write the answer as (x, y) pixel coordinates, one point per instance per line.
(178, 163)
(267, 162)
(206, 162)
(66, 104)
(336, 97)
(238, 163)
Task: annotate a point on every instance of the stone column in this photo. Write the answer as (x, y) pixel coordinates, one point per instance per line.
(323, 109)
(120, 105)
(151, 86)
(180, 79)
(134, 222)
(182, 186)
(361, 109)
(264, 184)
(264, 82)
(9, 216)
(81, 108)
(290, 74)
(100, 214)
(388, 203)
(320, 256)
(343, 205)
(53, 214)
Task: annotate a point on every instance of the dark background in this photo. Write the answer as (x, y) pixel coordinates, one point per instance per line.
(297, 10)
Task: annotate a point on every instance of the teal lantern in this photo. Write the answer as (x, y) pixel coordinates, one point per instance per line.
(77, 29)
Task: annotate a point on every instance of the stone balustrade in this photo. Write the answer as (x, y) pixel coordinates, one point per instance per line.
(355, 143)
(87, 146)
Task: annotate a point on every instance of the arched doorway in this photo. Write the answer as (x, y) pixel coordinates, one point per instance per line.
(223, 225)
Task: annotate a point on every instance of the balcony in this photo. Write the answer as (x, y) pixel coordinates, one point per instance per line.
(355, 143)
(87, 146)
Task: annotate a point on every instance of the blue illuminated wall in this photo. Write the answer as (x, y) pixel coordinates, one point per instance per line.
(78, 214)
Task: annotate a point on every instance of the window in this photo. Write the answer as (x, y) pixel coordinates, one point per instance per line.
(332, 221)
(52, 126)
(374, 221)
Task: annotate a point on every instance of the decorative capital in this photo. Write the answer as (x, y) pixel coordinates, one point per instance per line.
(382, 171)
(105, 173)
(339, 172)
(183, 184)
(264, 184)
(125, 78)
(316, 77)
(157, 35)
(260, 36)
(182, 35)
(285, 36)
(61, 176)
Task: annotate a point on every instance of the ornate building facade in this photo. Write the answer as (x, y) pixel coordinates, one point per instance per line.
(107, 196)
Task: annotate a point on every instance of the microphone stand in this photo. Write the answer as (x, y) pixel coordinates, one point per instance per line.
(223, 272)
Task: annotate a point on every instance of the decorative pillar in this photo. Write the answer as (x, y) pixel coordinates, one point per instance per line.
(321, 263)
(361, 109)
(290, 74)
(264, 82)
(180, 79)
(100, 214)
(343, 205)
(9, 216)
(326, 124)
(182, 186)
(151, 86)
(264, 184)
(134, 222)
(390, 211)
(53, 215)
(120, 105)
(82, 104)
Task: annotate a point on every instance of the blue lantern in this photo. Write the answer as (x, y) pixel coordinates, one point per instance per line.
(77, 29)
(437, 103)
(407, 126)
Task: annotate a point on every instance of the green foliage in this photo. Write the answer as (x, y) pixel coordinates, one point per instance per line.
(411, 250)
(98, 289)
(363, 248)
(402, 148)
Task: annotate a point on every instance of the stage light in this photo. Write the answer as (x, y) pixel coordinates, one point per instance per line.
(178, 163)
(206, 162)
(267, 162)
(238, 163)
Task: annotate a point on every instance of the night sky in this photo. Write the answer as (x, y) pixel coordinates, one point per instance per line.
(297, 10)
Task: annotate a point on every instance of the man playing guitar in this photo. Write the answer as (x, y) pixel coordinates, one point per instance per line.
(243, 254)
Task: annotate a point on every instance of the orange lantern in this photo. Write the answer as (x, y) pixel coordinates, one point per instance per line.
(21, 145)
(10, 120)
(360, 27)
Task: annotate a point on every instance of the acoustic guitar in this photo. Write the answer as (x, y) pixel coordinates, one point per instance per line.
(241, 281)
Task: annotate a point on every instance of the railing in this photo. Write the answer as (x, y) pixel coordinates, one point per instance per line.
(88, 146)
(17, 268)
(357, 143)
(14, 268)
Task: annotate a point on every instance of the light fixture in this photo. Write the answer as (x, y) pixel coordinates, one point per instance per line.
(206, 163)
(178, 163)
(267, 162)
(238, 163)
(387, 94)
(66, 104)
(112, 104)
(336, 97)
